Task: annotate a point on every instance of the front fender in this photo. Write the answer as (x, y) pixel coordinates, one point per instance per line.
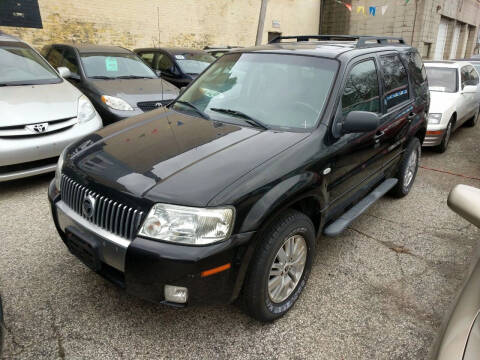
(280, 197)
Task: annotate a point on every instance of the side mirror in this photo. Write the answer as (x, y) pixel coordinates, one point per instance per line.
(469, 89)
(158, 72)
(465, 201)
(64, 72)
(360, 121)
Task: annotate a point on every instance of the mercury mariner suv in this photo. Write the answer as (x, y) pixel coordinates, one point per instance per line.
(226, 191)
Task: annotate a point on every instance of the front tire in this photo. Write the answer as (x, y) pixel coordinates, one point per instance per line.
(408, 169)
(280, 266)
(446, 138)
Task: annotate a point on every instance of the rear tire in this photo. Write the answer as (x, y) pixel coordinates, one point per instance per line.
(473, 121)
(408, 169)
(446, 137)
(280, 266)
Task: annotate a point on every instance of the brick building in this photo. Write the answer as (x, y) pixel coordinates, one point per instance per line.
(440, 29)
(142, 23)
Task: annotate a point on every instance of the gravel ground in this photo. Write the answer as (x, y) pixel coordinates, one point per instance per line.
(379, 291)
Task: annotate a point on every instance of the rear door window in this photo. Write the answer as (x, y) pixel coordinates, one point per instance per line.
(395, 80)
(70, 60)
(163, 63)
(361, 90)
(147, 57)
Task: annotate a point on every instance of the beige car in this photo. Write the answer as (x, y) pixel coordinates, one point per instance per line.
(460, 337)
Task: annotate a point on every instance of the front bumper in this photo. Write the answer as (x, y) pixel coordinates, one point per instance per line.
(23, 157)
(143, 267)
(434, 135)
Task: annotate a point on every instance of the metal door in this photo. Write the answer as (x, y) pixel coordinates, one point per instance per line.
(455, 41)
(441, 39)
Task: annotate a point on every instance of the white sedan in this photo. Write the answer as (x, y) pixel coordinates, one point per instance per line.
(454, 100)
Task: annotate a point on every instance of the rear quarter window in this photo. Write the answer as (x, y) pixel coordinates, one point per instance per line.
(395, 80)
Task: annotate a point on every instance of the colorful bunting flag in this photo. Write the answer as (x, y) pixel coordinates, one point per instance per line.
(384, 9)
(348, 6)
(372, 10)
(361, 9)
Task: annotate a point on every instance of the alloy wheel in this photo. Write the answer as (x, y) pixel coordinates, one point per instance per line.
(287, 268)
(411, 168)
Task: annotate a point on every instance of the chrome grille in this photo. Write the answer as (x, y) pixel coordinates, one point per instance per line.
(45, 128)
(108, 214)
(152, 105)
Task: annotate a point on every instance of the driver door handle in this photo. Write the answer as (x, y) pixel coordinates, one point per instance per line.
(411, 116)
(379, 134)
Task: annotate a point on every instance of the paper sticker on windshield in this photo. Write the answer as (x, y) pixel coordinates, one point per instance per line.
(111, 64)
(180, 57)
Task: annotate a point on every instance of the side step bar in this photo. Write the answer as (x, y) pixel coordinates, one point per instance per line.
(343, 221)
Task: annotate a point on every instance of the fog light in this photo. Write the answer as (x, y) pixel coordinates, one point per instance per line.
(176, 294)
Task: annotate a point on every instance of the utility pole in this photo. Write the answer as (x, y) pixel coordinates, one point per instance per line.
(261, 22)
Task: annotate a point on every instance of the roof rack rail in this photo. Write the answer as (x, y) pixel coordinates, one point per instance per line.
(362, 40)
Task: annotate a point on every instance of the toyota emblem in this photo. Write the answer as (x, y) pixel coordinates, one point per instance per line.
(88, 206)
(37, 128)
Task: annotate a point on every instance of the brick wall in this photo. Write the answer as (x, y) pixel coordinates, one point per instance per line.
(139, 23)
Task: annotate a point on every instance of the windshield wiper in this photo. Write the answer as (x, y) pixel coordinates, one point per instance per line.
(247, 118)
(133, 77)
(102, 77)
(190, 105)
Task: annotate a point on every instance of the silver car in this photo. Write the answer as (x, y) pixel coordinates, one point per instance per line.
(41, 113)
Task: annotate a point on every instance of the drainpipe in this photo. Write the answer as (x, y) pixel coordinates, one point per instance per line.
(261, 22)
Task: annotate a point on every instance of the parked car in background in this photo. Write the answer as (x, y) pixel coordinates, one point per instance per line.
(460, 335)
(455, 100)
(217, 51)
(176, 65)
(116, 80)
(475, 63)
(40, 112)
(226, 190)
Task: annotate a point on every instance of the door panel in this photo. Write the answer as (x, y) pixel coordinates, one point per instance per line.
(358, 156)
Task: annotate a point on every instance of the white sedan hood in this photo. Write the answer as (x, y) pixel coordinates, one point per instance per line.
(29, 104)
(441, 102)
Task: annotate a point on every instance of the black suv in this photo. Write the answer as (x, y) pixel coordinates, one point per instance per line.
(226, 191)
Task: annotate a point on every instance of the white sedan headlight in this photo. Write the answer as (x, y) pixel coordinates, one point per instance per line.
(188, 225)
(58, 170)
(86, 111)
(116, 103)
(434, 118)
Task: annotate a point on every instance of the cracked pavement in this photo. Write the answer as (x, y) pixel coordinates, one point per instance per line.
(379, 291)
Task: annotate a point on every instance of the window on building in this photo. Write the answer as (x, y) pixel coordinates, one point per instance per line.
(273, 34)
(396, 80)
(361, 89)
(427, 48)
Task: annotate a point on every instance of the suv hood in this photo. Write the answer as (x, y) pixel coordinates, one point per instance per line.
(166, 156)
(440, 102)
(136, 90)
(29, 104)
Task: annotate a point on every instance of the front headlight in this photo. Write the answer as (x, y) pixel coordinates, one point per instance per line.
(188, 225)
(58, 170)
(434, 118)
(116, 103)
(86, 111)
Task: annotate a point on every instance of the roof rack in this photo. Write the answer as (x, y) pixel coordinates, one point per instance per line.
(362, 40)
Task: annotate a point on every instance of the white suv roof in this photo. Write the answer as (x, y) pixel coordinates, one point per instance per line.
(446, 63)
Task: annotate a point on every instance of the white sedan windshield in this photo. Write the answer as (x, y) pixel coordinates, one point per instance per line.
(279, 91)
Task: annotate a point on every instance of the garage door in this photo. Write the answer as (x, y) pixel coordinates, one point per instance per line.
(455, 40)
(441, 39)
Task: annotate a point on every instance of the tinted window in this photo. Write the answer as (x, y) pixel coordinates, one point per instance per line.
(21, 65)
(147, 57)
(115, 66)
(194, 63)
(474, 76)
(163, 63)
(281, 91)
(54, 57)
(416, 67)
(361, 89)
(70, 60)
(396, 80)
(442, 79)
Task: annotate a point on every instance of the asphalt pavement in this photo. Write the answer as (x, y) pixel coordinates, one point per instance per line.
(379, 291)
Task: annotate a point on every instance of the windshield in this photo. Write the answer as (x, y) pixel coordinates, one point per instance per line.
(194, 63)
(279, 91)
(442, 79)
(115, 66)
(20, 65)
